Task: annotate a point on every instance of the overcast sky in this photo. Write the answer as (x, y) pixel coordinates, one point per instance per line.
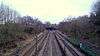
(53, 11)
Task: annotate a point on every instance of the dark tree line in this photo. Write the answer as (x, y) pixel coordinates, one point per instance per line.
(81, 25)
(97, 20)
(87, 25)
(15, 28)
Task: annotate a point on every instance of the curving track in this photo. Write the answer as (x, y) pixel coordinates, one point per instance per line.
(49, 43)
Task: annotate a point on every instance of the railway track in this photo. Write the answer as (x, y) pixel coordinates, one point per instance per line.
(21, 51)
(69, 46)
(50, 43)
(33, 50)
